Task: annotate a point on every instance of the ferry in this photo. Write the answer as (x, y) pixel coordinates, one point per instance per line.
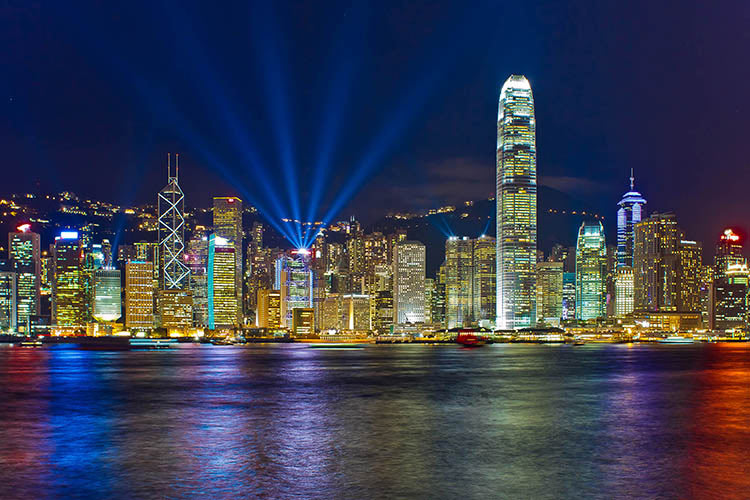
(676, 339)
(31, 343)
(469, 338)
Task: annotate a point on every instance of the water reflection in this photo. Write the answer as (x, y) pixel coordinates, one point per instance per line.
(390, 421)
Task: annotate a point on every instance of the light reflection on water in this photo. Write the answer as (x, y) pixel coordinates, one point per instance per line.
(283, 421)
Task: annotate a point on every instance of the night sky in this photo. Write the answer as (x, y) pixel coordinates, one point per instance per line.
(369, 107)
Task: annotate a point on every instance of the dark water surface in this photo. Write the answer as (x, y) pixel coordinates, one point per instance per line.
(287, 421)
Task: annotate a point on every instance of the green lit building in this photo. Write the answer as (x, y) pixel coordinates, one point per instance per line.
(591, 271)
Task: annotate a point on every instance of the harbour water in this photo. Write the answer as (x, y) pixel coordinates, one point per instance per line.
(396, 421)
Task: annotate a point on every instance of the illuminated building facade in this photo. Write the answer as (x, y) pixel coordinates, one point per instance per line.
(303, 321)
(173, 273)
(729, 290)
(656, 262)
(459, 271)
(294, 279)
(624, 304)
(107, 295)
(630, 213)
(516, 205)
(549, 292)
(355, 310)
(8, 313)
(591, 270)
(408, 282)
(228, 225)
(196, 259)
(222, 287)
(176, 309)
(269, 308)
(382, 318)
(68, 308)
(139, 294)
(569, 295)
(689, 255)
(484, 293)
(25, 259)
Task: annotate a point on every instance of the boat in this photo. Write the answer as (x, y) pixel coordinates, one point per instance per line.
(335, 345)
(676, 339)
(467, 339)
(151, 343)
(578, 341)
(31, 343)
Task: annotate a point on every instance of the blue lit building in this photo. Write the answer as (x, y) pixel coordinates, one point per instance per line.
(629, 214)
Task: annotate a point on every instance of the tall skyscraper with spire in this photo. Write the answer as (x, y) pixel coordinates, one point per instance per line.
(173, 274)
(629, 214)
(516, 205)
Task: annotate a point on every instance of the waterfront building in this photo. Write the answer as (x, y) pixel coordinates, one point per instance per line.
(624, 304)
(269, 308)
(107, 305)
(516, 200)
(173, 273)
(689, 255)
(569, 296)
(228, 225)
(176, 309)
(630, 213)
(730, 295)
(139, 295)
(196, 259)
(549, 299)
(459, 285)
(355, 309)
(303, 321)
(25, 259)
(68, 307)
(382, 319)
(656, 263)
(330, 313)
(294, 279)
(8, 313)
(408, 282)
(222, 287)
(729, 289)
(591, 269)
(484, 291)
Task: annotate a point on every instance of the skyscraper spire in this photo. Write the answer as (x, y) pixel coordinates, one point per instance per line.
(632, 179)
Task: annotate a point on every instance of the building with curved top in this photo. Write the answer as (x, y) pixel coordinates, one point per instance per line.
(629, 214)
(516, 205)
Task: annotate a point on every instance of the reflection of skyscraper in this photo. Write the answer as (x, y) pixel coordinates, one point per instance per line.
(25, 260)
(591, 271)
(408, 282)
(516, 205)
(171, 233)
(629, 214)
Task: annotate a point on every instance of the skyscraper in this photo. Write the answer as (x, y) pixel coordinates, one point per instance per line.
(107, 295)
(294, 279)
(139, 294)
(484, 293)
(408, 282)
(222, 287)
(459, 284)
(624, 291)
(655, 258)
(228, 225)
(68, 308)
(516, 205)
(591, 271)
(729, 290)
(173, 273)
(8, 312)
(25, 260)
(629, 214)
(549, 297)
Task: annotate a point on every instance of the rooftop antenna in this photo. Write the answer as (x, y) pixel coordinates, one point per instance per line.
(631, 178)
(177, 166)
(169, 165)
